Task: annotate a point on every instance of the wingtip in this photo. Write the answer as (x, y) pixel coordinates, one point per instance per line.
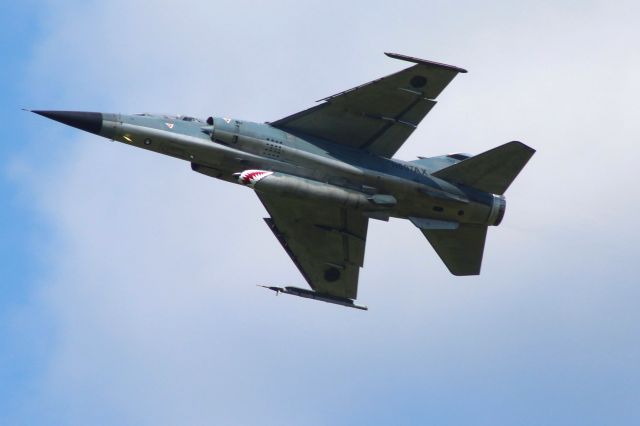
(425, 62)
(524, 146)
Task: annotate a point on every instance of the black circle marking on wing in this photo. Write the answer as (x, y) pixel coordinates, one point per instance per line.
(332, 274)
(418, 81)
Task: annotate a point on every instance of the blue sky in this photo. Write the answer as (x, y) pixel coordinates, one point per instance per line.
(16, 35)
(127, 282)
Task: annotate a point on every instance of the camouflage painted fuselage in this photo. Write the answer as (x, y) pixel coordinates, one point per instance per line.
(228, 147)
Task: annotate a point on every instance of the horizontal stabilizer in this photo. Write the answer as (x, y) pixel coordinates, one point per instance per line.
(492, 171)
(460, 249)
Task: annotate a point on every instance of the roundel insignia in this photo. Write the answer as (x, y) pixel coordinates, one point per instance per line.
(418, 81)
(332, 274)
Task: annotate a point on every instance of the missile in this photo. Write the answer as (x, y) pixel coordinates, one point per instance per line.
(309, 294)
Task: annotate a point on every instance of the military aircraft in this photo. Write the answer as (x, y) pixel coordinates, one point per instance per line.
(322, 173)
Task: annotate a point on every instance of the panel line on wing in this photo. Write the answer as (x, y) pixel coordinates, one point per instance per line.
(342, 232)
(393, 120)
(413, 92)
(388, 126)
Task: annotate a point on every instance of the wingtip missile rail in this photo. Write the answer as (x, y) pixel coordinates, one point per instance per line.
(309, 294)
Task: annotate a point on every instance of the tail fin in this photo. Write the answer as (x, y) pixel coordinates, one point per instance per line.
(492, 171)
(460, 249)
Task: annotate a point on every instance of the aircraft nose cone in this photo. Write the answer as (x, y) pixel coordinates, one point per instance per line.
(87, 121)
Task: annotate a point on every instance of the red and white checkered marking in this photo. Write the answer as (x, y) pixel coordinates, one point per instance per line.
(251, 177)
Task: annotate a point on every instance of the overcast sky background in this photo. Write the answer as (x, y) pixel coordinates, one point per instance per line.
(127, 282)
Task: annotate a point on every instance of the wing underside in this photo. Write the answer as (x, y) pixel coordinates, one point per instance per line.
(378, 116)
(326, 243)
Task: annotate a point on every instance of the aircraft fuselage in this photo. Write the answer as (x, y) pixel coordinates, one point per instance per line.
(223, 148)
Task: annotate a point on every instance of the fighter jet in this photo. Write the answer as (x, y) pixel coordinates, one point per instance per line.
(322, 173)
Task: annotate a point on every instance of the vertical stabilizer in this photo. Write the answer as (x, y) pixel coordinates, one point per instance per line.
(492, 171)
